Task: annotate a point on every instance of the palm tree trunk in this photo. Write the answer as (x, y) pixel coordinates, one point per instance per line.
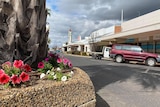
(23, 31)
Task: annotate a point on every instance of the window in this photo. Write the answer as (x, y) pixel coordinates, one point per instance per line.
(128, 48)
(107, 49)
(118, 47)
(136, 48)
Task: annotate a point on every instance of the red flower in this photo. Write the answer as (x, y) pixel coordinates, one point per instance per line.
(4, 78)
(59, 60)
(24, 77)
(27, 68)
(18, 63)
(1, 71)
(40, 65)
(15, 79)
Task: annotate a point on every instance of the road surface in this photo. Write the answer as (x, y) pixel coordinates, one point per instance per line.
(121, 84)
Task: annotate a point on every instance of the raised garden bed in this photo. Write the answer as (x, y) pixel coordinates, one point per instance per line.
(77, 91)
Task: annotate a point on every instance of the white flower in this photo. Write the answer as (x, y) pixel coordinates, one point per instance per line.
(64, 78)
(55, 76)
(72, 72)
(48, 71)
(42, 75)
(52, 73)
(58, 69)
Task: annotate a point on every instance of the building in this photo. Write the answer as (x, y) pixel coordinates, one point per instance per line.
(143, 30)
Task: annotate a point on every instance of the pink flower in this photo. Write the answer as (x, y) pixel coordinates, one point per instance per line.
(59, 60)
(70, 64)
(1, 71)
(40, 65)
(65, 61)
(6, 65)
(24, 77)
(46, 59)
(27, 68)
(4, 78)
(18, 63)
(15, 79)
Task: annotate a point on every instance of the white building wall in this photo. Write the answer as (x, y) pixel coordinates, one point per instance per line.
(142, 21)
(87, 48)
(68, 48)
(103, 31)
(79, 48)
(96, 35)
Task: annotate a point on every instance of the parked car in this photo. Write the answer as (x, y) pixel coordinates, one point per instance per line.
(103, 53)
(123, 52)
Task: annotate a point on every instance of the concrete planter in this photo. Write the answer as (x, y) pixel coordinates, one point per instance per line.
(78, 91)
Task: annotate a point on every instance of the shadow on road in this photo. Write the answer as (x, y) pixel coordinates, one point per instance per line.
(102, 75)
(148, 81)
(101, 102)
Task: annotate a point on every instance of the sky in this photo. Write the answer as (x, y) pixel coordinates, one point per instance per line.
(85, 16)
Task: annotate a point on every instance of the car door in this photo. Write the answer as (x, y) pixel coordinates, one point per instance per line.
(106, 52)
(137, 53)
(127, 53)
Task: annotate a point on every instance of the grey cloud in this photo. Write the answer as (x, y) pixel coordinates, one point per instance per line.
(85, 16)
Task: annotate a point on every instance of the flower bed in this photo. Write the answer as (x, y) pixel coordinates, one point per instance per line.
(76, 91)
(14, 74)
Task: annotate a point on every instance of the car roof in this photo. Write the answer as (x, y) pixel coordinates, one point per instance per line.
(124, 45)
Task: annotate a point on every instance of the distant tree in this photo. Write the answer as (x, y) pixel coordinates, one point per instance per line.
(49, 41)
(48, 11)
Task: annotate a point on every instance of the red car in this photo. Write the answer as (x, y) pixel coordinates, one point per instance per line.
(123, 52)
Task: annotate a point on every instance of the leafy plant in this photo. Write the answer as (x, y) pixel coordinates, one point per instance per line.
(14, 74)
(52, 67)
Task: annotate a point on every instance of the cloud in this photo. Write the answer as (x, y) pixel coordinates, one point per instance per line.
(85, 16)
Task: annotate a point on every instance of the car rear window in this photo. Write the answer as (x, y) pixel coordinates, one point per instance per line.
(136, 48)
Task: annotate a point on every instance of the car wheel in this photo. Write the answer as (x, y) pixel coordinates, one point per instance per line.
(119, 58)
(99, 57)
(92, 55)
(150, 62)
(126, 61)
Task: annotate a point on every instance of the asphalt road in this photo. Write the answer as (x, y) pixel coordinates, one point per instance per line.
(121, 84)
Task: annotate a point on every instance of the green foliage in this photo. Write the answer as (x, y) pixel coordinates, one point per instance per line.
(48, 11)
(59, 75)
(50, 77)
(49, 41)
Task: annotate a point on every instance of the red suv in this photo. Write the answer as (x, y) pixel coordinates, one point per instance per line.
(123, 52)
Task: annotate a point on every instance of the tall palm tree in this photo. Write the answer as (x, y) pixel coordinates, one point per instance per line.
(19, 30)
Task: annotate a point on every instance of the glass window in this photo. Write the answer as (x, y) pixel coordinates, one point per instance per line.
(128, 48)
(118, 47)
(136, 48)
(107, 49)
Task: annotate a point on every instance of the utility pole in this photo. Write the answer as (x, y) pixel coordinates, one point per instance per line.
(121, 16)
